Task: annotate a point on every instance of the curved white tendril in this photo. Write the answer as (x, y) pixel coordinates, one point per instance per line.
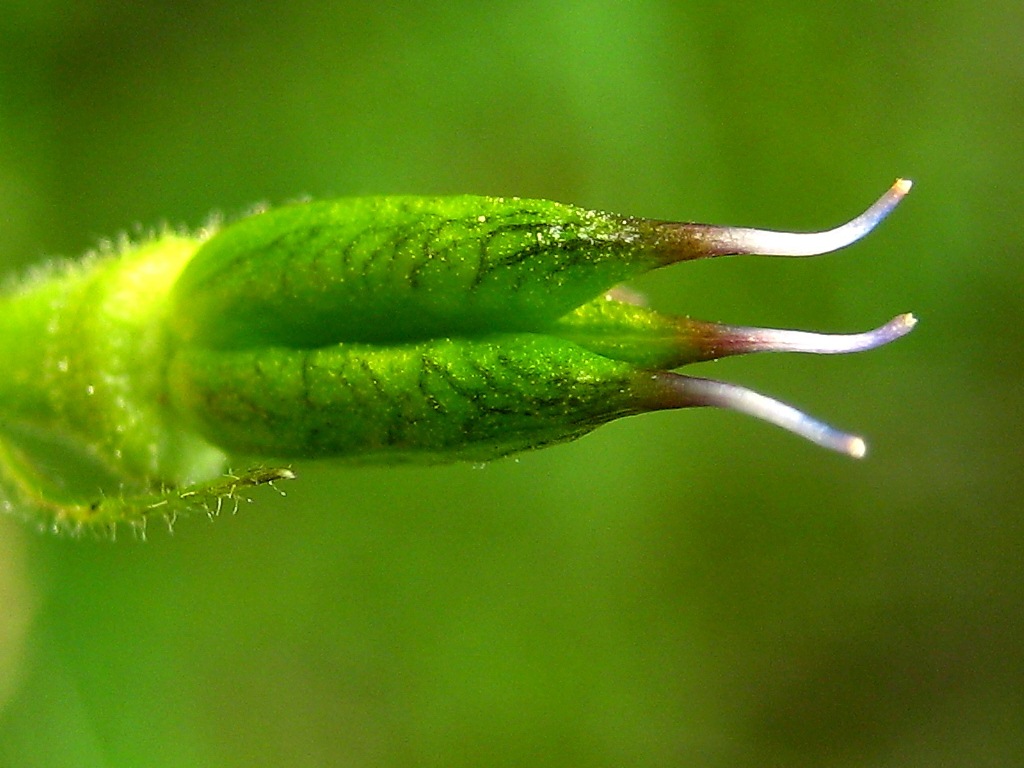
(741, 340)
(693, 391)
(765, 242)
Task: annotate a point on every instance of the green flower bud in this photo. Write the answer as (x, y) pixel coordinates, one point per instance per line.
(373, 329)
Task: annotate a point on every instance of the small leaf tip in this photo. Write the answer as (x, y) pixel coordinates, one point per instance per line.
(896, 328)
(903, 324)
(902, 186)
(855, 448)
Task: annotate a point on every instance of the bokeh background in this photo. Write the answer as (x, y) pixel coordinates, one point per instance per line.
(687, 588)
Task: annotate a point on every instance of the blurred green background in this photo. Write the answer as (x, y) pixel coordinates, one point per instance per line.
(688, 588)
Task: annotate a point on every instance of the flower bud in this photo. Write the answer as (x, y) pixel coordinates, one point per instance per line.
(441, 329)
(371, 329)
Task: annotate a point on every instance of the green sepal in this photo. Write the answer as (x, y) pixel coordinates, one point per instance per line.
(631, 333)
(436, 401)
(400, 269)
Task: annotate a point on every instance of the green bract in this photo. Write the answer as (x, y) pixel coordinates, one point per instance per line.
(378, 329)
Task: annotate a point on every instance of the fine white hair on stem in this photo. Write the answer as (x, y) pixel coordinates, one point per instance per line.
(744, 240)
(690, 391)
(737, 340)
